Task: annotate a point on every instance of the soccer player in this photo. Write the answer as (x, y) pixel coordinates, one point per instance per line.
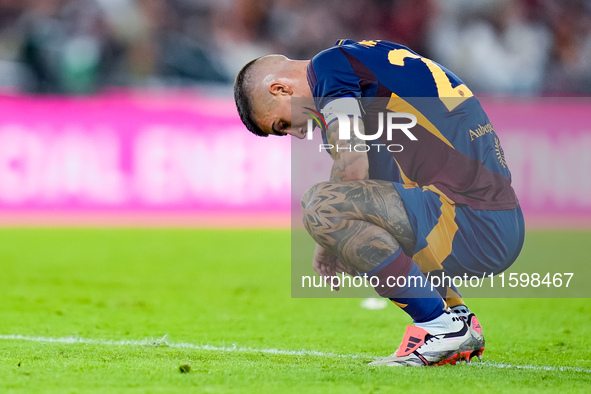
(442, 204)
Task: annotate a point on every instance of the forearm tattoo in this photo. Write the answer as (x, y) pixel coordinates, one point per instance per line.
(346, 160)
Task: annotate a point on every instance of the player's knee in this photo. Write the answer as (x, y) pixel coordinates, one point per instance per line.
(312, 202)
(310, 197)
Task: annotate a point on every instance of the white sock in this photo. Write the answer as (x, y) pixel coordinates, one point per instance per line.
(447, 322)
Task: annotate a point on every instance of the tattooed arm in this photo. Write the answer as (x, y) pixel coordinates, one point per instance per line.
(348, 165)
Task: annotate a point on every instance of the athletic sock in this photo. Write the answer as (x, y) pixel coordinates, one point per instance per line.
(453, 298)
(415, 297)
(445, 287)
(447, 322)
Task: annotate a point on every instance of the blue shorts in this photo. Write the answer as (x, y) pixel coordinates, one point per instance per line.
(458, 239)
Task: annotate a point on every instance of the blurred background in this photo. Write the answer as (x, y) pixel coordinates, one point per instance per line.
(122, 109)
(525, 47)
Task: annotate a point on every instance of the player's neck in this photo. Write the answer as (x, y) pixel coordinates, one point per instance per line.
(299, 69)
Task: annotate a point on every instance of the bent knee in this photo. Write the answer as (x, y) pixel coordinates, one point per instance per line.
(316, 203)
(324, 192)
(310, 196)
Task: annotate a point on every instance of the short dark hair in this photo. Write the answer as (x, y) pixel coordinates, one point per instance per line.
(242, 92)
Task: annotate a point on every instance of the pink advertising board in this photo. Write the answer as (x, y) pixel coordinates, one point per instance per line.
(186, 159)
(136, 156)
(547, 144)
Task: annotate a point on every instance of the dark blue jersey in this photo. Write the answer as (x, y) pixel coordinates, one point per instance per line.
(457, 154)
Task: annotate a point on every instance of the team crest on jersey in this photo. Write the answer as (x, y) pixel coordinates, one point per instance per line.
(500, 153)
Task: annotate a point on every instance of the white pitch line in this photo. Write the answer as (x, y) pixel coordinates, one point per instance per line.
(495, 364)
(162, 342)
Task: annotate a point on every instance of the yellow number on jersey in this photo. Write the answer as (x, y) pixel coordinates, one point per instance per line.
(451, 97)
(371, 43)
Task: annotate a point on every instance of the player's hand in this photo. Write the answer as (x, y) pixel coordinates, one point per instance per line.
(327, 264)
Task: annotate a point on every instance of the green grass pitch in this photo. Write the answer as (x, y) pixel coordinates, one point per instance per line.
(230, 290)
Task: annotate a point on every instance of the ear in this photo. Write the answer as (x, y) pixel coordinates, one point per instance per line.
(280, 87)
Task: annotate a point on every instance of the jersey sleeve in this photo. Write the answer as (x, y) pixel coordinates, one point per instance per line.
(332, 76)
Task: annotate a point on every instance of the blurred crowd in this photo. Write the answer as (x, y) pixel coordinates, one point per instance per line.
(524, 47)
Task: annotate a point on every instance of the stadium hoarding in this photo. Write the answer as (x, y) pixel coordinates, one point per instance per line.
(128, 156)
(545, 143)
(141, 159)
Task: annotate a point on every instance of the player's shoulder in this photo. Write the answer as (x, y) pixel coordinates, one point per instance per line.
(347, 47)
(327, 62)
(328, 55)
(348, 43)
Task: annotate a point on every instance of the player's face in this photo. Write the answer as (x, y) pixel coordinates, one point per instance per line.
(280, 120)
